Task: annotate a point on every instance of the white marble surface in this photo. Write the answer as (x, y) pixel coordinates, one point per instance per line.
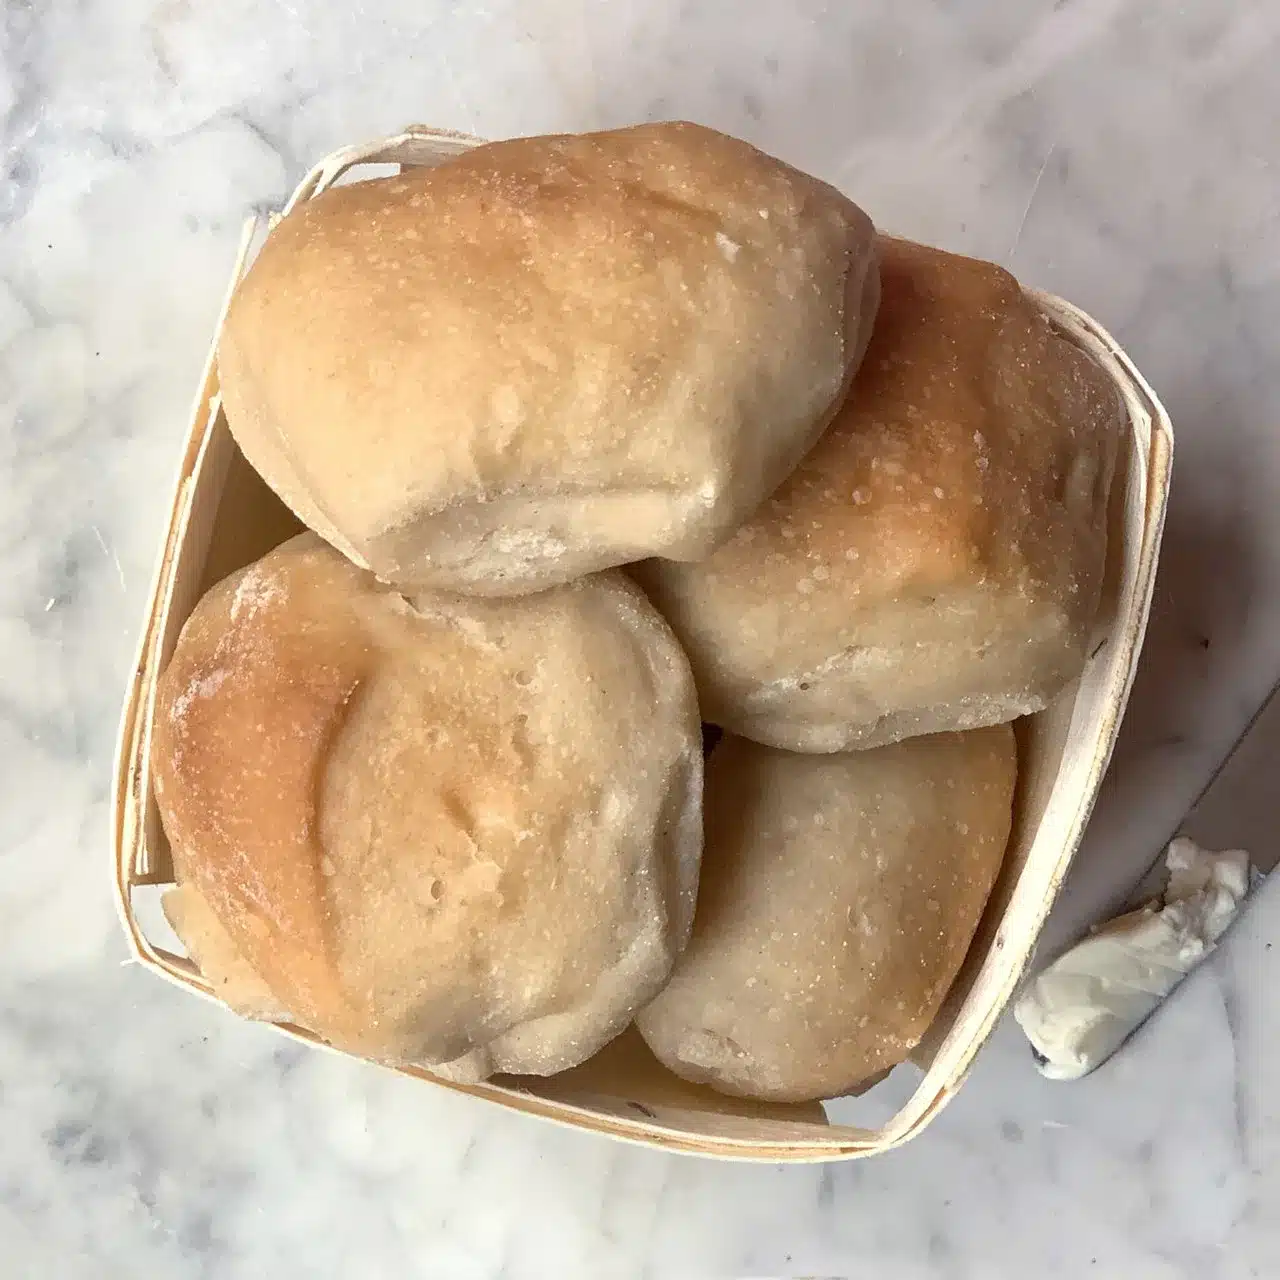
(1119, 152)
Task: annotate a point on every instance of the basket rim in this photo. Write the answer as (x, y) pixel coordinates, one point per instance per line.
(423, 145)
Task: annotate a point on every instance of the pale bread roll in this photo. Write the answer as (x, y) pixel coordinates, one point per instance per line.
(548, 356)
(839, 894)
(454, 832)
(936, 562)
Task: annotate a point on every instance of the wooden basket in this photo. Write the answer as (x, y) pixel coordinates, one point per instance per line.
(224, 516)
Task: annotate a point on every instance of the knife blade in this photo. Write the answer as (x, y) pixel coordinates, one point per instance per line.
(1239, 807)
(1082, 1008)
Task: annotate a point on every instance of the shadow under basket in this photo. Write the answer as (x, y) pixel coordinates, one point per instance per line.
(224, 516)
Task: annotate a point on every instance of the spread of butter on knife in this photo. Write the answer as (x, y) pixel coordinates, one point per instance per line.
(1084, 1006)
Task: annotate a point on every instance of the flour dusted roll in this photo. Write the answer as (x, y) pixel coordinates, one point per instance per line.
(839, 894)
(548, 356)
(936, 561)
(456, 832)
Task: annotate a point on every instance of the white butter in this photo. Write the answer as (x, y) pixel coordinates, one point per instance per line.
(1084, 1006)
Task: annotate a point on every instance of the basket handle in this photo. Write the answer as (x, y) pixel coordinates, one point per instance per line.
(416, 145)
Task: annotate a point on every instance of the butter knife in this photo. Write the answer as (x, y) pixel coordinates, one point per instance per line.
(1080, 1009)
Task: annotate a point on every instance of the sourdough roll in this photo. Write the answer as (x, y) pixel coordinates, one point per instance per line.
(839, 894)
(455, 832)
(548, 356)
(935, 563)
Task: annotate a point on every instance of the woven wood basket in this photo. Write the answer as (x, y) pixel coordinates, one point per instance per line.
(223, 516)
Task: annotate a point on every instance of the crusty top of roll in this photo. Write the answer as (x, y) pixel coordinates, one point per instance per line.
(549, 355)
(936, 560)
(454, 832)
(839, 895)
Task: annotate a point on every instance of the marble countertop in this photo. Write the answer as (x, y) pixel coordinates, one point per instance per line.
(1121, 153)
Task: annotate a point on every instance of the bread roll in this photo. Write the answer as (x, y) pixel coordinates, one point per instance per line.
(936, 561)
(454, 832)
(839, 895)
(548, 356)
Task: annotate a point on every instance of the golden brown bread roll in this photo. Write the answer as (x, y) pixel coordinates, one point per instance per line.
(935, 563)
(456, 832)
(548, 356)
(838, 896)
